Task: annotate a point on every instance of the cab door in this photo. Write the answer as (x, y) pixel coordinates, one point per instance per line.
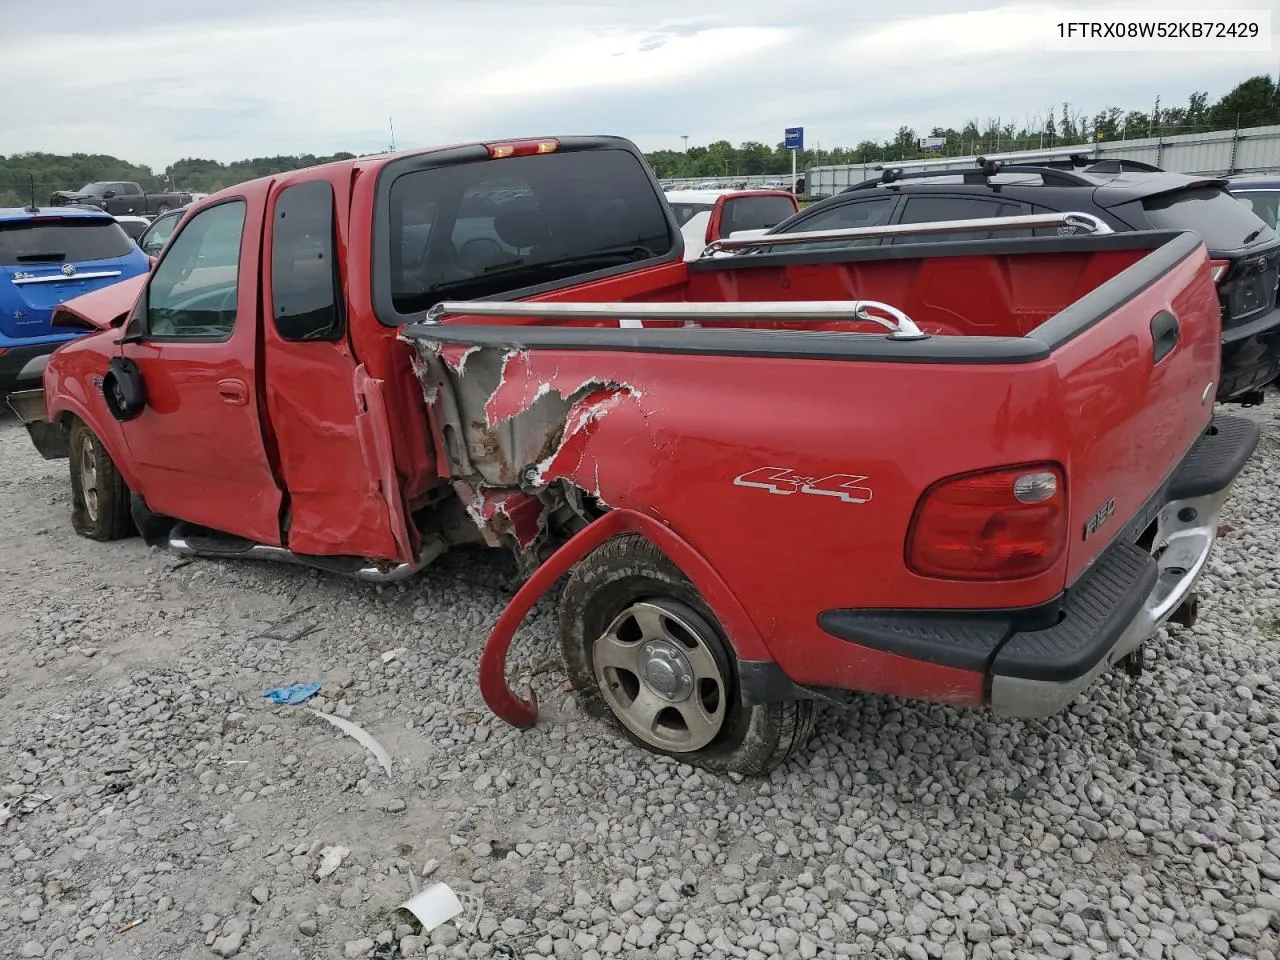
(329, 418)
(198, 444)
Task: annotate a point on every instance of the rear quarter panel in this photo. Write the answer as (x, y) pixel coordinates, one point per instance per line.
(678, 430)
(1129, 420)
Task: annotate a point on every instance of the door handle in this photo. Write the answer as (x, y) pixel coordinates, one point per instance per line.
(1164, 335)
(233, 392)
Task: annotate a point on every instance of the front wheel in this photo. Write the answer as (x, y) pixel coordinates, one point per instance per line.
(639, 641)
(99, 496)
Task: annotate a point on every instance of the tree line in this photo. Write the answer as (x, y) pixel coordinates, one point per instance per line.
(1254, 102)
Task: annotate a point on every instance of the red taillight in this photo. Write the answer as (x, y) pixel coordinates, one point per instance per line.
(1002, 524)
(521, 148)
(1218, 269)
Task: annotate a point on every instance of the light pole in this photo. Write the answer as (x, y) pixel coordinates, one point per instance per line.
(685, 138)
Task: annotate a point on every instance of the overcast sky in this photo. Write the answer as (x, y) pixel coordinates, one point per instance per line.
(154, 82)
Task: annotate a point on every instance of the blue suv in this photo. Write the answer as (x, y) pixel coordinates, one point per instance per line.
(46, 258)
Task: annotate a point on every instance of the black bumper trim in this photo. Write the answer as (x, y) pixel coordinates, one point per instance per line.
(1068, 636)
(15, 358)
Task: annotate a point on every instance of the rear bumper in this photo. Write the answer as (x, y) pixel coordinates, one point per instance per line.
(48, 437)
(24, 365)
(1037, 661)
(1250, 356)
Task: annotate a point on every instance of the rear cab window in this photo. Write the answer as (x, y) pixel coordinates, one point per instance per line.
(489, 227)
(62, 240)
(1223, 222)
(754, 213)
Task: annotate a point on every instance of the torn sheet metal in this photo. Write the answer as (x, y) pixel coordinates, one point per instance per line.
(360, 735)
(500, 513)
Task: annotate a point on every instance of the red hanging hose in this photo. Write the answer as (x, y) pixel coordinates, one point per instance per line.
(521, 713)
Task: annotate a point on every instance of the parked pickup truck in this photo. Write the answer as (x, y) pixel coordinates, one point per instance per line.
(706, 216)
(976, 473)
(122, 198)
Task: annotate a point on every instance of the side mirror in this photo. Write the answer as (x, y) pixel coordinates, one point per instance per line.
(108, 194)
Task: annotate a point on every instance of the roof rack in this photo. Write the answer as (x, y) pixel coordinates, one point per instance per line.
(1079, 221)
(1124, 166)
(1050, 172)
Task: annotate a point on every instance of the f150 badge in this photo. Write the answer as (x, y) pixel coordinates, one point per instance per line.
(1094, 523)
(785, 481)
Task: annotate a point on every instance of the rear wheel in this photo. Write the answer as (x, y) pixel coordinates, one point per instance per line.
(99, 496)
(642, 648)
(162, 209)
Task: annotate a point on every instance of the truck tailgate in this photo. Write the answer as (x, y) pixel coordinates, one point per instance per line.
(1137, 391)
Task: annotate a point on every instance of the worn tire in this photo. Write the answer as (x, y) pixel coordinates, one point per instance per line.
(100, 513)
(626, 569)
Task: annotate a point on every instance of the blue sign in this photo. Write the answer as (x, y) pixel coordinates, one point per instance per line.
(794, 138)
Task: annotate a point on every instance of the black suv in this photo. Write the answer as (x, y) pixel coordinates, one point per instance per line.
(1125, 195)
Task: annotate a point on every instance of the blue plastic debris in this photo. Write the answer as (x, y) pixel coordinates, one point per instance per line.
(293, 695)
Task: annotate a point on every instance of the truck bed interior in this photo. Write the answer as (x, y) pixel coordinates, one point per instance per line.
(986, 288)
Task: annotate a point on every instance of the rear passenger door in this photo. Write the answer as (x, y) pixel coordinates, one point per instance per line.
(129, 197)
(933, 207)
(329, 443)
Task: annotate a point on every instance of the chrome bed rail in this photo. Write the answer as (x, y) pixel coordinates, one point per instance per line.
(901, 326)
(1076, 221)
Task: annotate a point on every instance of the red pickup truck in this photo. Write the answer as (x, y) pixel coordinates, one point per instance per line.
(977, 472)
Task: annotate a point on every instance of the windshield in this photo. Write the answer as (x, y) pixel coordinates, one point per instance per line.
(92, 188)
(482, 229)
(1265, 204)
(62, 241)
(1223, 222)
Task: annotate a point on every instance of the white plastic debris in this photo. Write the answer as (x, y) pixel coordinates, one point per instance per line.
(330, 859)
(360, 735)
(433, 906)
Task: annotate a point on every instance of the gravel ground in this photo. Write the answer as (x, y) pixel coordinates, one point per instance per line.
(161, 807)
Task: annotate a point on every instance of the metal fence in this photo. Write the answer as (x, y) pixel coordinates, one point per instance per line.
(1222, 152)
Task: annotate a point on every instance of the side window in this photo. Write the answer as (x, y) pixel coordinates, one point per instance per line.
(130, 190)
(930, 209)
(156, 235)
(304, 279)
(872, 212)
(193, 290)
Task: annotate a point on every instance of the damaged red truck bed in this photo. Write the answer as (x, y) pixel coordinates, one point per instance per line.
(975, 472)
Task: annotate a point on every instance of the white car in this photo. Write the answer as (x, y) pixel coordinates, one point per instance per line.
(133, 226)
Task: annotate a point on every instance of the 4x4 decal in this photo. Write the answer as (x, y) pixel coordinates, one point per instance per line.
(785, 481)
